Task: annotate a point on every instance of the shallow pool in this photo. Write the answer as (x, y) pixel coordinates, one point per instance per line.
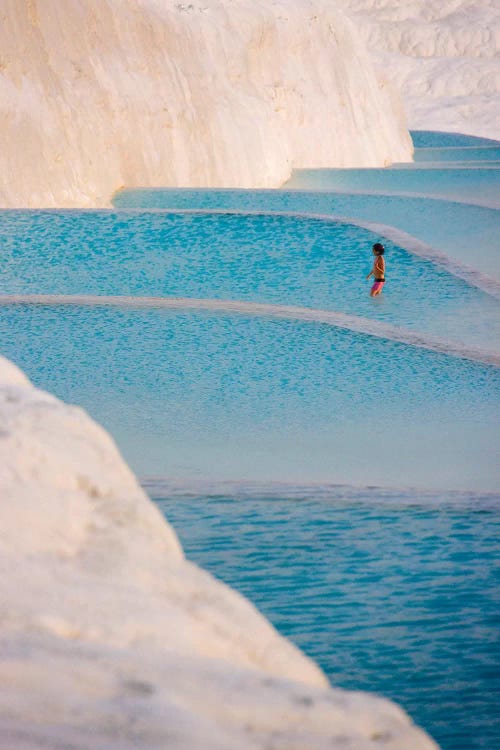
(474, 154)
(477, 186)
(282, 260)
(436, 139)
(390, 593)
(191, 394)
(464, 233)
(247, 415)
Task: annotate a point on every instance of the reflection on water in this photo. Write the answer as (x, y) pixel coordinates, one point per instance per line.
(479, 186)
(478, 155)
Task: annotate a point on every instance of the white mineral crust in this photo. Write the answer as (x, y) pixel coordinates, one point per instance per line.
(100, 94)
(442, 56)
(110, 638)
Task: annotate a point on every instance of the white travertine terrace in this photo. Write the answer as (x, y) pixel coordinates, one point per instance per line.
(110, 638)
(98, 94)
(443, 57)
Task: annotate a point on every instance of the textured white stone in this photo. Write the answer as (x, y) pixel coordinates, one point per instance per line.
(97, 94)
(110, 638)
(442, 56)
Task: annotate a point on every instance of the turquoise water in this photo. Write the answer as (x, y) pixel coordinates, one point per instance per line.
(190, 394)
(448, 163)
(475, 154)
(457, 168)
(391, 594)
(274, 259)
(467, 234)
(434, 139)
(480, 186)
(394, 589)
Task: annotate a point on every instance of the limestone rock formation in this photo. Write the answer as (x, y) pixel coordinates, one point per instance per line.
(442, 57)
(97, 94)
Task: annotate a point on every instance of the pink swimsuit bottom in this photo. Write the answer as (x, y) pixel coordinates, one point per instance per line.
(378, 285)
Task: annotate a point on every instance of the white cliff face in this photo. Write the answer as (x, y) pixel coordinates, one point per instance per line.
(110, 638)
(442, 57)
(99, 94)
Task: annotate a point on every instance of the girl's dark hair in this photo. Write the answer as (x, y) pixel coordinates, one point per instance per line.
(379, 248)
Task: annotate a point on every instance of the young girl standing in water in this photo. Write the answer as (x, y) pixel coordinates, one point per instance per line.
(378, 270)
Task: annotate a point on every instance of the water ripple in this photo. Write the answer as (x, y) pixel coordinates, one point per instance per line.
(286, 312)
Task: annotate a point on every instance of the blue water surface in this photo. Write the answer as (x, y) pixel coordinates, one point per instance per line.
(190, 394)
(393, 594)
(436, 139)
(267, 258)
(471, 154)
(466, 233)
(480, 186)
(393, 590)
